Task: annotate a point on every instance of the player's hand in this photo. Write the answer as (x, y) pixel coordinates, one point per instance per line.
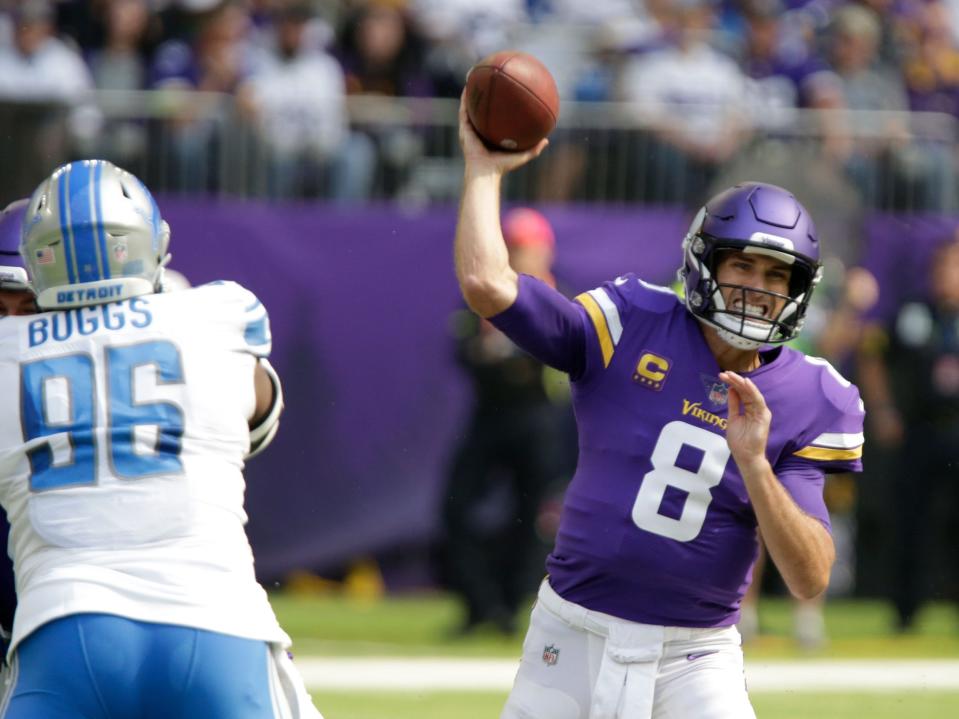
(748, 429)
(480, 159)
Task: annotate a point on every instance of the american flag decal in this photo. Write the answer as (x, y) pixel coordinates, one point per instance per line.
(45, 256)
(550, 655)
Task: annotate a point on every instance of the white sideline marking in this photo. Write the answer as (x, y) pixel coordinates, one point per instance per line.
(434, 673)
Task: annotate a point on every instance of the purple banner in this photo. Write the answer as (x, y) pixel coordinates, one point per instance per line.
(359, 302)
(898, 251)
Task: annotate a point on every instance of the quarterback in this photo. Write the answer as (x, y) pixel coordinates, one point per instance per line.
(126, 419)
(697, 428)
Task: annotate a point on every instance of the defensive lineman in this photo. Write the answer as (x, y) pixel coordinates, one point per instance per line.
(695, 427)
(126, 418)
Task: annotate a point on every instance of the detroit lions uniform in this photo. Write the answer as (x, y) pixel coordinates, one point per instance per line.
(122, 437)
(657, 528)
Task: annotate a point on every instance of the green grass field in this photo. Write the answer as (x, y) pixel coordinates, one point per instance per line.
(335, 626)
(478, 705)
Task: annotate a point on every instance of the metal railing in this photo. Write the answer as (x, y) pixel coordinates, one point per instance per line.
(182, 141)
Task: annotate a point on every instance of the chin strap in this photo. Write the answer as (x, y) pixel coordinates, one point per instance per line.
(263, 433)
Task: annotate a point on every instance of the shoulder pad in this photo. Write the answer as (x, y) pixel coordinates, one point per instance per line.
(610, 305)
(238, 304)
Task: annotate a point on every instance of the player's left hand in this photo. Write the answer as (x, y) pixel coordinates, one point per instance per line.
(749, 419)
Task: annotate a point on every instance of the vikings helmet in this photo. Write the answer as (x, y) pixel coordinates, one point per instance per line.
(93, 234)
(754, 218)
(13, 273)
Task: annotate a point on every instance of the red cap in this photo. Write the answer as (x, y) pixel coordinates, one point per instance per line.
(523, 227)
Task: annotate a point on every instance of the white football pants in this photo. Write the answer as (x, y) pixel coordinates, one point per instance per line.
(580, 664)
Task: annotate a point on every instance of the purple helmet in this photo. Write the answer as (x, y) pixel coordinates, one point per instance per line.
(754, 218)
(13, 273)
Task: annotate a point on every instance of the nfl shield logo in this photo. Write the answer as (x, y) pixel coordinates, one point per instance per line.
(716, 391)
(550, 655)
(120, 252)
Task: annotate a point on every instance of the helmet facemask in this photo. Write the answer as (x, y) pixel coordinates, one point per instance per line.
(13, 272)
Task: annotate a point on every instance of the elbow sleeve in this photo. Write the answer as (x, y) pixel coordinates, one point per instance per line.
(265, 430)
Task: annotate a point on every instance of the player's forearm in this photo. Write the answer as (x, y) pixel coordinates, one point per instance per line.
(487, 281)
(799, 545)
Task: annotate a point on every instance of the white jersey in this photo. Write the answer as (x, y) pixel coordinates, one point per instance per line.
(123, 429)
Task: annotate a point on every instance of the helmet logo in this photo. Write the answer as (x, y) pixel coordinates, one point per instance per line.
(120, 251)
(45, 256)
(764, 238)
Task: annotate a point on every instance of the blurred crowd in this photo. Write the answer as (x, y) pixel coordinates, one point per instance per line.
(711, 82)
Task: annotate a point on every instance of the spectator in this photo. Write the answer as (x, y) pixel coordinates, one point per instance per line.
(120, 64)
(510, 460)
(40, 70)
(777, 68)
(383, 55)
(909, 373)
(915, 174)
(931, 65)
(382, 52)
(693, 99)
(217, 61)
(297, 98)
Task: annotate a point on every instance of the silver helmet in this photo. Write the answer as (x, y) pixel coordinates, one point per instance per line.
(92, 233)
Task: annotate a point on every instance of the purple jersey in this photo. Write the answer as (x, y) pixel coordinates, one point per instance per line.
(657, 526)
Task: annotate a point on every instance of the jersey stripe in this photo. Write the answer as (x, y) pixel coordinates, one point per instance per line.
(837, 440)
(826, 455)
(599, 322)
(610, 312)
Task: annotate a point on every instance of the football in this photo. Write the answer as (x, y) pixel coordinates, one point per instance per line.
(512, 101)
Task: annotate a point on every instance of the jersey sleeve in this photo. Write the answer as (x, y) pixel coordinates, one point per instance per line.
(242, 316)
(804, 483)
(610, 306)
(545, 323)
(834, 443)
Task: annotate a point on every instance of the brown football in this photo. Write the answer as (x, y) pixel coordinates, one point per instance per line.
(512, 101)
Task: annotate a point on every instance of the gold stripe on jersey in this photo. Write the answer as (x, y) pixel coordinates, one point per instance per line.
(826, 454)
(599, 322)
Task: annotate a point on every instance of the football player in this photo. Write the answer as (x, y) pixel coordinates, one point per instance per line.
(126, 421)
(696, 428)
(16, 298)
